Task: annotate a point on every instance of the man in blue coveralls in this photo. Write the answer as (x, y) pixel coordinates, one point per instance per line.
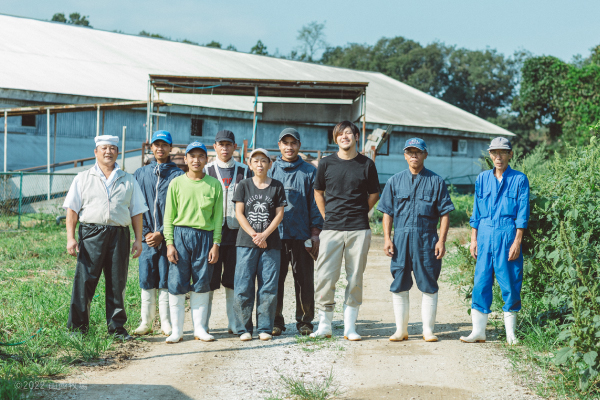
(415, 200)
(500, 216)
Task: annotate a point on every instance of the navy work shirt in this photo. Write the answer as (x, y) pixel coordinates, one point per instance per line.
(418, 205)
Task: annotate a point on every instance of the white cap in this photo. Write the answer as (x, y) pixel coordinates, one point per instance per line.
(106, 140)
(259, 150)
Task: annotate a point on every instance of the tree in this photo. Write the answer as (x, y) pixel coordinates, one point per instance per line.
(214, 44)
(312, 37)
(231, 47)
(74, 19)
(153, 35)
(259, 48)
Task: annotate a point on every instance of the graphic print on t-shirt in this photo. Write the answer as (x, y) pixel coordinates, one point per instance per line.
(258, 214)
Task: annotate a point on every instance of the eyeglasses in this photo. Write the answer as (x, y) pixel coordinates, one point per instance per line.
(503, 153)
(414, 153)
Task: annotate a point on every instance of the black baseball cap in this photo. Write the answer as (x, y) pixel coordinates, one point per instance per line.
(289, 132)
(225, 136)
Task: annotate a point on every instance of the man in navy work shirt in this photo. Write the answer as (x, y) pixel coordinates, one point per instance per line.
(415, 200)
(500, 217)
(299, 230)
(229, 173)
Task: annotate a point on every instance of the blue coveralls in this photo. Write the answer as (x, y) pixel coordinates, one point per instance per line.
(154, 181)
(499, 209)
(416, 209)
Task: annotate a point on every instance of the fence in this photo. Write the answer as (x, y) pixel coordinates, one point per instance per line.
(27, 198)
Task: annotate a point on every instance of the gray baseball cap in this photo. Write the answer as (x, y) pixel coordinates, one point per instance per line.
(500, 143)
(289, 132)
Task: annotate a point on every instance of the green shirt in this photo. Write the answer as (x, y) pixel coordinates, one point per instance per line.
(195, 204)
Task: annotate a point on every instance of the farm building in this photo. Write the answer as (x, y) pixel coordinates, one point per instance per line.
(48, 63)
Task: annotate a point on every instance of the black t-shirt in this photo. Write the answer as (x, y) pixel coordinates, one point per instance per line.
(259, 208)
(347, 185)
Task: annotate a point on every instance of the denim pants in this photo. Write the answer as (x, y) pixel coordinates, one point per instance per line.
(261, 265)
(154, 266)
(193, 246)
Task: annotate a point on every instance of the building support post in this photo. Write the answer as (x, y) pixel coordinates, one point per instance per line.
(98, 121)
(254, 120)
(48, 149)
(148, 116)
(5, 137)
(123, 150)
(20, 198)
(364, 122)
(54, 152)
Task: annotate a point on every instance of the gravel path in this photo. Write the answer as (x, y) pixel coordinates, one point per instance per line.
(374, 368)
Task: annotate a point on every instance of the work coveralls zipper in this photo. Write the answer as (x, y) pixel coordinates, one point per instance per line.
(157, 171)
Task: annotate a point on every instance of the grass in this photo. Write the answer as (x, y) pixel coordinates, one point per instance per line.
(311, 345)
(36, 277)
(300, 389)
(532, 359)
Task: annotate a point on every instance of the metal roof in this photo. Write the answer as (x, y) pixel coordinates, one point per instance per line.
(268, 87)
(52, 57)
(11, 112)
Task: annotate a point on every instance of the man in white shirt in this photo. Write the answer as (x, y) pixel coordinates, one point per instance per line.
(105, 200)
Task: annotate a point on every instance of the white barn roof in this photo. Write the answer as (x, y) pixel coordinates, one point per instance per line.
(58, 58)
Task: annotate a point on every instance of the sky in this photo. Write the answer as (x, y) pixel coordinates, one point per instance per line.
(550, 27)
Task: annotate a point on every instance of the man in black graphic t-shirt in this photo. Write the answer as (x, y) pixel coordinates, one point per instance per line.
(346, 188)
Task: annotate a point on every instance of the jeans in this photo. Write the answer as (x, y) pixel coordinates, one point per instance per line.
(193, 246)
(303, 269)
(154, 267)
(261, 265)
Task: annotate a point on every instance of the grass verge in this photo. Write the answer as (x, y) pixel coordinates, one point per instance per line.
(300, 389)
(36, 278)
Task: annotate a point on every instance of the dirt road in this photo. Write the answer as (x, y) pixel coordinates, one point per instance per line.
(374, 368)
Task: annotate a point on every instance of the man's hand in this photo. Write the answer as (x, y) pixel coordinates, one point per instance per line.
(388, 248)
(263, 245)
(72, 247)
(314, 238)
(136, 249)
(440, 249)
(259, 238)
(474, 248)
(515, 251)
(213, 254)
(172, 255)
(154, 239)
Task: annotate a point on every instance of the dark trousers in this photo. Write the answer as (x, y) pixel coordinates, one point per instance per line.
(303, 269)
(224, 269)
(102, 248)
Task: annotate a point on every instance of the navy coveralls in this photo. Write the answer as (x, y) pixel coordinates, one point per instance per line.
(154, 181)
(416, 208)
(498, 210)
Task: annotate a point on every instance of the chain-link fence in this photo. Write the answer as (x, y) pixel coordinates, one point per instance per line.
(27, 198)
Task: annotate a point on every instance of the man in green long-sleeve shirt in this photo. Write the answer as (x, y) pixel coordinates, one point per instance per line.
(192, 229)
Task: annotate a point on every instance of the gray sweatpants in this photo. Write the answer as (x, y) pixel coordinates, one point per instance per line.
(353, 247)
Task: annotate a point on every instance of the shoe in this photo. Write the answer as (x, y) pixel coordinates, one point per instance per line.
(148, 311)
(479, 323)
(229, 299)
(428, 313)
(276, 331)
(246, 337)
(510, 322)
(163, 312)
(126, 337)
(350, 317)
(305, 330)
(199, 307)
(401, 302)
(324, 328)
(177, 311)
(264, 336)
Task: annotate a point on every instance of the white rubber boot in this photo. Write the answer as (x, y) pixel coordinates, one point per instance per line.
(163, 312)
(401, 304)
(229, 298)
(177, 310)
(148, 311)
(428, 313)
(324, 330)
(211, 294)
(350, 317)
(510, 322)
(479, 323)
(199, 306)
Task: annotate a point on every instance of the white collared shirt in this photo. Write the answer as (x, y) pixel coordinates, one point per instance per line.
(73, 199)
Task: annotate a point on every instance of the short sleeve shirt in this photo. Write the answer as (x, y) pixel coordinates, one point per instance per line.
(347, 185)
(260, 207)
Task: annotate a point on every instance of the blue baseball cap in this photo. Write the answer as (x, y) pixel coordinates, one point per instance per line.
(195, 145)
(162, 135)
(417, 143)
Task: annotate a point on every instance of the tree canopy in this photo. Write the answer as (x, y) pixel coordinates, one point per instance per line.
(74, 19)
